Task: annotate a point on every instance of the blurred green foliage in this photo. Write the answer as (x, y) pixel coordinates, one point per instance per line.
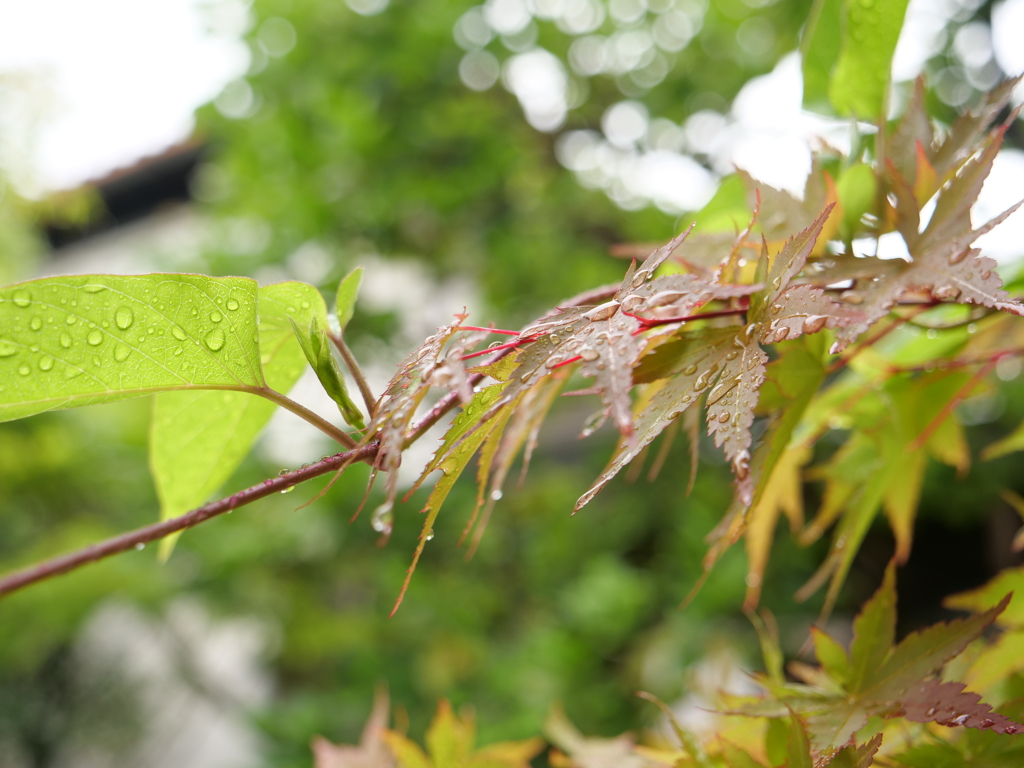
(363, 139)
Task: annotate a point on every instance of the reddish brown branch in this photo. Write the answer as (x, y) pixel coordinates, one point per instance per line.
(142, 536)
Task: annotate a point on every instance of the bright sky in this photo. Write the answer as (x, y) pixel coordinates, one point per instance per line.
(109, 81)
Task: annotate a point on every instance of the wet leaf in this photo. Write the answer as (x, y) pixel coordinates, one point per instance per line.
(199, 438)
(348, 290)
(81, 340)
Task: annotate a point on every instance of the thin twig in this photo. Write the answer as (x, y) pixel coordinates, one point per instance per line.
(141, 536)
(357, 374)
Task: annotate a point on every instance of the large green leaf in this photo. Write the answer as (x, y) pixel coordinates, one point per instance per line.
(819, 48)
(198, 438)
(74, 341)
(860, 78)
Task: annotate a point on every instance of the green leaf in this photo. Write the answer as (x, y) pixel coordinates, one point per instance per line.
(819, 48)
(316, 345)
(198, 439)
(348, 290)
(798, 751)
(72, 341)
(860, 79)
(857, 188)
(874, 630)
(991, 593)
(831, 655)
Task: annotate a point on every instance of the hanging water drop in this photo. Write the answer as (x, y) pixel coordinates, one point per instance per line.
(289, 489)
(430, 535)
(124, 318)
(496, 495)
(814, 323)
(382, 518)
(140, 546)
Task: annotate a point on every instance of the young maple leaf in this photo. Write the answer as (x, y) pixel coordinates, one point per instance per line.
(450, 744)
(943, 262)
(728, 364)
(371, 752)
(877, 679)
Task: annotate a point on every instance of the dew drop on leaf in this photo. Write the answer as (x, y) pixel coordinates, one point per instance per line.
(689, 370)
(36, 324)
(177, 333)
(723, 417)
(7, 348)
(232, 305)
(65, 339)
(124, 318)
(121, 352)
(814, 323)
(24, 370)
(216, 316)
(71, 373)
(72, 319)
(22, 298)
(215, 340)
(589, 354)
(94, 288)
(45, 363)
(95, 337)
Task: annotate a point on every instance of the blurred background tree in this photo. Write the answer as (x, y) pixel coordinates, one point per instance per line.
(503, 149)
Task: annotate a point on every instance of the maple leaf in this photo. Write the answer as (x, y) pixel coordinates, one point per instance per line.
(728, 364)
(583, 752)
(450, 743)
(943, 263)
(878, 679)
(371, 752)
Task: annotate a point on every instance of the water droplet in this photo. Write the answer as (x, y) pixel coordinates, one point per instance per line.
(687, 398)
(946, 292)
(555, 339)
(124, 318)
(430, 534)
(65, 339)
(723, 417)
(496, 495)
(22, 298)
(95, 337)
(1010, 729)
(931, 712)
(72, 319)
(814, 323)
(733, 354)
(216, 316)
(289, 489)
(777, 283)
(986, 723)
(94, 288)
(70, 373)
(24, 370)
(215, 340)
(7, 348)
(177, 352)
(140, 546)
(689, 370)
(600, 366)
(960, 719)
(121, 352)
(232, 305)
(589, 354)
(851, 297)
(382, 519)
(956, 258)
(36, 324)
(45, 363)
(194, 312)
(305, 305)
(177, 333)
